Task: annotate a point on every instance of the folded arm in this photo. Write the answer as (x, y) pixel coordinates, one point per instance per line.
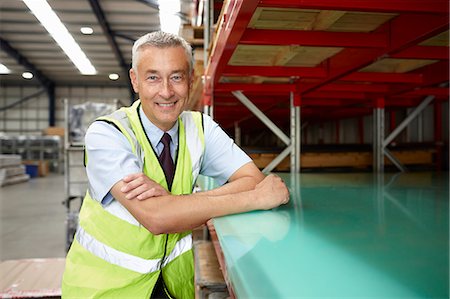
(247, 190)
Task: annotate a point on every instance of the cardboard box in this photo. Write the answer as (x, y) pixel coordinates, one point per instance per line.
(54, 131)
(31, 278)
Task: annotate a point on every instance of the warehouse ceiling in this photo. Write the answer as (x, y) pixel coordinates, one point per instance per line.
(27, 46)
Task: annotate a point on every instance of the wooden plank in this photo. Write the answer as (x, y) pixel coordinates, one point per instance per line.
(345, 159)
(310, 19)
(312, 56)
(396, 65)
(360, 21)
(268, 55)
(281, 18)
(254, 55)
(442, 39)
(326, 19)
(207, 270)
(31, 278)
(285, 54)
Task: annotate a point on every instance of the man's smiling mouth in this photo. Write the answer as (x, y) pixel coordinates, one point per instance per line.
(167, 104)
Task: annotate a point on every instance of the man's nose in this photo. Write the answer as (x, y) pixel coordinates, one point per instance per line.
(166, 90)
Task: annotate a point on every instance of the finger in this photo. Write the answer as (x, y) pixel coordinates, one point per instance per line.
(136, 191)
(287, 199)
(130, 186)
(153, 192)
(136, 182)
(147, 194)
(131, 177)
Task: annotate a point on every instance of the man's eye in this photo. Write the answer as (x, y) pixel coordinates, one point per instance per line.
(153, 78)
(177, 78)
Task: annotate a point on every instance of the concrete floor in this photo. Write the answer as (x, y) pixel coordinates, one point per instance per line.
(32, 219)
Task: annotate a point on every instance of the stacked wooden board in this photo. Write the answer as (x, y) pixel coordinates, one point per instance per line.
(11, 170)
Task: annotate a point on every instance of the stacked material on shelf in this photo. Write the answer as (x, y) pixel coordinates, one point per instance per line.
(11, 170)
(31, 278)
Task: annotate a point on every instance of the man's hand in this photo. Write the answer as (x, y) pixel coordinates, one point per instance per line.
(140, 186)
(272, 192)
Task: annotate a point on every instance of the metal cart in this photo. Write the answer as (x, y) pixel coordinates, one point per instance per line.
(78, 118)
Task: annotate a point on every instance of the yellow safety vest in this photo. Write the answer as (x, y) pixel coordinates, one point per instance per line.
(112, 255)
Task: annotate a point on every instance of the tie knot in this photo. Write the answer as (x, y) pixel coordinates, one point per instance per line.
(166, 139)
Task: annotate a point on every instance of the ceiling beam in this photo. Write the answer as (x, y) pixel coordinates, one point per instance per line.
(384, 77)
(314, 38)
(100, 15)
(22, 60)
(432, 75)
(423, 52)
(390, 6)
(431, 91)
(47, 83)
(256, 88)
(372, 88)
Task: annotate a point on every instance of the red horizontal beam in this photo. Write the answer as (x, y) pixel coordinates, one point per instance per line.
(322, 102)
(432, 75)
(372, 88)
(393, 6)
(258, 88)
(274, 71)
(337, 95)
(309, 102)
(438, 92)
(423, 52)
(403, 102)
(314, 38)
(435, 73)
(384, 77)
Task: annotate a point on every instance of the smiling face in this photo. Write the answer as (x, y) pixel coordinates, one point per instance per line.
(162, 81)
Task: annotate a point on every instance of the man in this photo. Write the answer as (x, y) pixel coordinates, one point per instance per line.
(134, 237)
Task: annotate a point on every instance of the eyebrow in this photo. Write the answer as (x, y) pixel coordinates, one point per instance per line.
(172, 72)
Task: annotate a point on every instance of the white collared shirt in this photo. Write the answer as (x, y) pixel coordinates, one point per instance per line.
(111, 158)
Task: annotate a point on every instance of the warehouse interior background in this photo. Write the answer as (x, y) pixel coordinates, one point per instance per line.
(302, 86)
(339, 62)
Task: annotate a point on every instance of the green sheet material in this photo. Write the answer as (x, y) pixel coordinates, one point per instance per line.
(344, 236)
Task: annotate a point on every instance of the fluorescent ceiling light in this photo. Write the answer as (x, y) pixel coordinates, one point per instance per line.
(113, 76)
(61, 35)
(168, 19)
(27, 75)
(87, 30)
(4, 70)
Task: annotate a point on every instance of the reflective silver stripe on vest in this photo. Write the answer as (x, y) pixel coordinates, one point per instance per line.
(193, 142)
(128, 261)
(183, 245)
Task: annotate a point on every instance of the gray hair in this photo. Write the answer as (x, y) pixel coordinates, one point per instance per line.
(160, 39)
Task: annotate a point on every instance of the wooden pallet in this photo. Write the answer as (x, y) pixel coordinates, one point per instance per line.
(208, 276)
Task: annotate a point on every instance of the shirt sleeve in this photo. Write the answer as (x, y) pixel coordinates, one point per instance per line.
(110, 159)
(222, 156)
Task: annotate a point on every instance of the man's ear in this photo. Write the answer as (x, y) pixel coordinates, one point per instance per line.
(133, 77)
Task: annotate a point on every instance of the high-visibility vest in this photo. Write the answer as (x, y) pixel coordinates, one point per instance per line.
(112, 255)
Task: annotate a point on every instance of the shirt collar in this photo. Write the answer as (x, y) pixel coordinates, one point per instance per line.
(154, 133)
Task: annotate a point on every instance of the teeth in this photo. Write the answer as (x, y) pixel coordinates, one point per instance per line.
(166, 105)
